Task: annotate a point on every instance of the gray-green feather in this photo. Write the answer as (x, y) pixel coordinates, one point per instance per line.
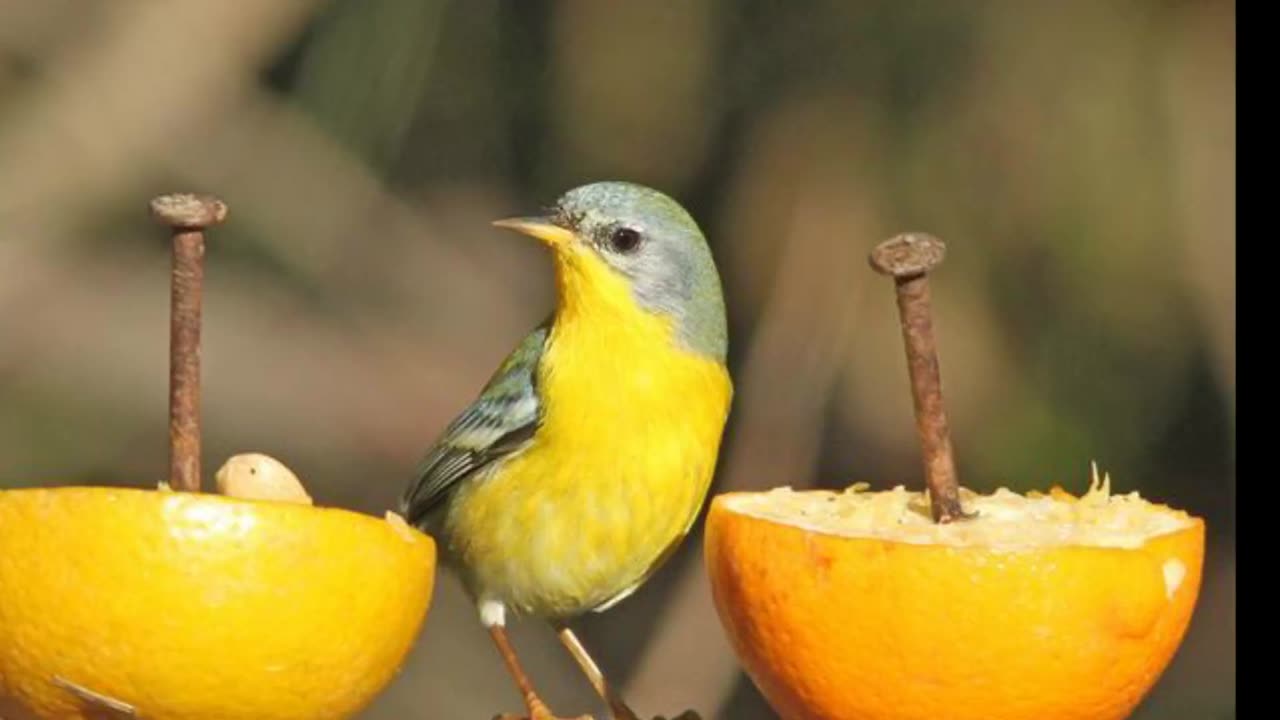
(672, 271)
(500, 422)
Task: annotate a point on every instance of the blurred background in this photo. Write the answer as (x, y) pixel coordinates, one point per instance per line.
(1079, 158)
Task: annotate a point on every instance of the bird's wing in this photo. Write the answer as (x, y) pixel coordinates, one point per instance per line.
(500, 422)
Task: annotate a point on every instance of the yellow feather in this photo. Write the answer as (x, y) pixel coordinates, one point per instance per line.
(618, 469)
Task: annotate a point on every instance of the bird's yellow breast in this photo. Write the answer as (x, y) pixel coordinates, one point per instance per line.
(618, 468)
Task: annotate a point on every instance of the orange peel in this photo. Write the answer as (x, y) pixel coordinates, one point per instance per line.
(185, 605)
(856, 606)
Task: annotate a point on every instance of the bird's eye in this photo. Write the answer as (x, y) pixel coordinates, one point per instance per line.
(624, 239)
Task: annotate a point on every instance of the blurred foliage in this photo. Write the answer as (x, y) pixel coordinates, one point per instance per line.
(1078, 158)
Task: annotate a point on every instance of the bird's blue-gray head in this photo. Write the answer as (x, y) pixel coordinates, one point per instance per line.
(652, 241)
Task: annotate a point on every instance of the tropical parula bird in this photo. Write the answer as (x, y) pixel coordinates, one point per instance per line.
(586, 458)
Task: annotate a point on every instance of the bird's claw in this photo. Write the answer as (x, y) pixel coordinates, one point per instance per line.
(538, 715)
(626, 714)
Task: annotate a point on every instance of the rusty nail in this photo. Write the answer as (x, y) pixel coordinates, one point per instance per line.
(908, 258)
(187, 215)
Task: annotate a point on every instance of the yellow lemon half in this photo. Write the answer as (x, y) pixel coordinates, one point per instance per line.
(194, 606)
(856, 606)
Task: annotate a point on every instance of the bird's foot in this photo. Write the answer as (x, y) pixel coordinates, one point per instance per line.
(538, 711)
(538, 715)
(625, 713)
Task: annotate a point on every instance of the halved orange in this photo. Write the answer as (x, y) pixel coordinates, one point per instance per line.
(856, 606)
(196, 606)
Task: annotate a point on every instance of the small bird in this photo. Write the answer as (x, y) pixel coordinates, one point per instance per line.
(586, 458)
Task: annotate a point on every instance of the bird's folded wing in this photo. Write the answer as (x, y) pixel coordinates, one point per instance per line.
(500, 422)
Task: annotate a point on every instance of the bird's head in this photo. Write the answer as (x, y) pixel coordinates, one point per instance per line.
(608, 232)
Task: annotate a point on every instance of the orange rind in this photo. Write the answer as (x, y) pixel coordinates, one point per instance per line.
(856, 606)
(157, 605)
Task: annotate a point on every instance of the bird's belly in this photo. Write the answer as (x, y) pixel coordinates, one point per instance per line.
(614, 475)
(559, 530)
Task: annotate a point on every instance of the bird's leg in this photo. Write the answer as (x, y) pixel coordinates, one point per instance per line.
(537, 709)
(617, 707)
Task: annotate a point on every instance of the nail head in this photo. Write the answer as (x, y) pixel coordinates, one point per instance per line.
(908, 254)
(188, 210)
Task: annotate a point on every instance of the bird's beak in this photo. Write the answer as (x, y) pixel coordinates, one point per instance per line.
(541, 228)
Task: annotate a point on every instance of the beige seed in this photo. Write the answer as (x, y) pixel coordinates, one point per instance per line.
(254, 476)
